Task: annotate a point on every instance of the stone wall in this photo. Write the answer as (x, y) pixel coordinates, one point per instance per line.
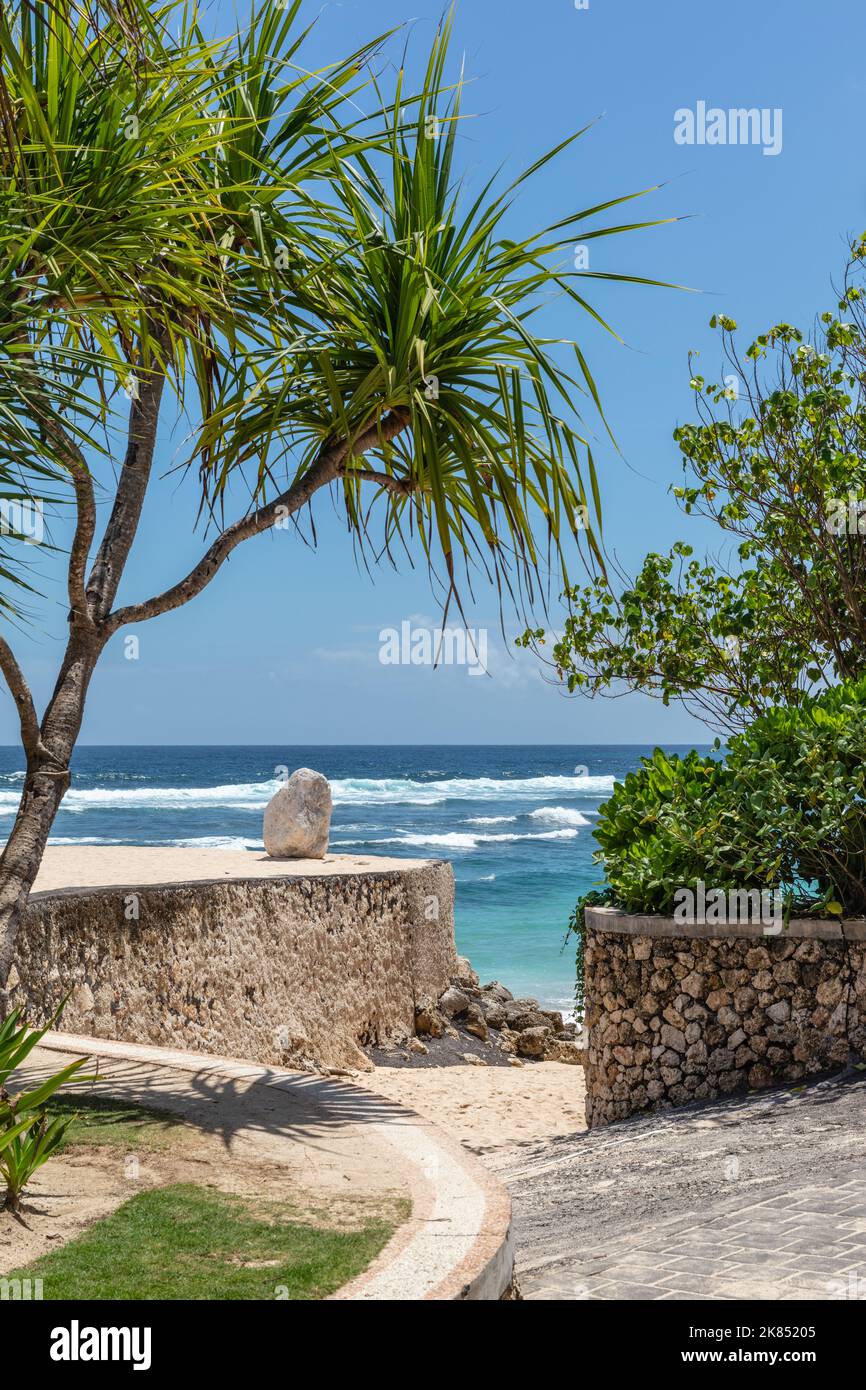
(302, 969)
(676, 1014)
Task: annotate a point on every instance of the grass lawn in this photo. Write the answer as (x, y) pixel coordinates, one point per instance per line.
(189, 1242)
(185, 1240)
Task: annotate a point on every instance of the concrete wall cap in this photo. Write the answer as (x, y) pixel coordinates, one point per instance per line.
(611, 919)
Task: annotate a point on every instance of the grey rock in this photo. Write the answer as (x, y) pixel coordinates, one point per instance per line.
(525, 1013)
(494, 1012)
(298, 818)
(495, 990)
(673, 1038)
(454, 1002)
(781, 1012)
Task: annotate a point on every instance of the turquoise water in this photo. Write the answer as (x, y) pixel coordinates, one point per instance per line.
(515, 821)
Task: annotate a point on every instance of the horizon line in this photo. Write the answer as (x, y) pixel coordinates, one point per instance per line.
(603, 743)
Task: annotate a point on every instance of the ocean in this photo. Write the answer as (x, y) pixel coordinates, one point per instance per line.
(515, 821)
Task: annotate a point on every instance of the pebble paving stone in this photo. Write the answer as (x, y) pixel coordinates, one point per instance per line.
(758, 1198)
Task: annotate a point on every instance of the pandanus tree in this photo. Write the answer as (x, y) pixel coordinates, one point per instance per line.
(285, 258)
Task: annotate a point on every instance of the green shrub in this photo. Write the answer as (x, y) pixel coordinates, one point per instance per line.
(26, 1152)
(654, 829)
(799, 778)
(784, 810)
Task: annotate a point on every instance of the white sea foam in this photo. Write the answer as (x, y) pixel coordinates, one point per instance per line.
(456, 839)
(360, 791)
(559, 815)
(241, 796)
(217, 842)
(372, 791)
(83, 840)
(490, 820)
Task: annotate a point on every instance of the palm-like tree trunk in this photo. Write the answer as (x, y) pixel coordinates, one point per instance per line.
(46, 780)
(49, 744)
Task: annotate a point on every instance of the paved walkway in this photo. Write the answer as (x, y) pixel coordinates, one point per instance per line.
(762, 1198)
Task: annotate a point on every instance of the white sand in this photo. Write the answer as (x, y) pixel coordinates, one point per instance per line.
(106, 866)
(490, 1108)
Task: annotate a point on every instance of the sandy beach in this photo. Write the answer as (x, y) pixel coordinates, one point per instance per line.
(490, 1108)
(105, 866)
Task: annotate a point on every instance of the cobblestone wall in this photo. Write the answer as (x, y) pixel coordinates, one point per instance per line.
(674, 1017)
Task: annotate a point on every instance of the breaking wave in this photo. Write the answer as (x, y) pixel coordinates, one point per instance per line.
(360, 791)
(559, 815)
(456, 839)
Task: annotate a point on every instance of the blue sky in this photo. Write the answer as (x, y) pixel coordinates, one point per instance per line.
(283, 647)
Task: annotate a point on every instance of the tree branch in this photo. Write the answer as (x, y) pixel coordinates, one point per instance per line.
(82, 483)
(85, 524)
(402, 486)
(122, 525)
(20, 691)
(326, 468)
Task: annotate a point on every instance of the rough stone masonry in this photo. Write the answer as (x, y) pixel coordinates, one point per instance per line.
(298, 965)
(674, 1014)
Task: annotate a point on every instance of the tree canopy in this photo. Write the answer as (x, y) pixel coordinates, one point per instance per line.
(777, 460)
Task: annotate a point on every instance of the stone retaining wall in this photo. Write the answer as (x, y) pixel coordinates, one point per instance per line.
(675, 1013)
(291, 970)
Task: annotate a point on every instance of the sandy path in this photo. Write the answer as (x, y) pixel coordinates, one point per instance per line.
(489, 1108)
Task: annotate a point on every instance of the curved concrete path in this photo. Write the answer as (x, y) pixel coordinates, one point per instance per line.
(335, 1139)
(759, 1198)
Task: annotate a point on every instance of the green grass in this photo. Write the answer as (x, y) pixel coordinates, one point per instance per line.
(107, 1122)
(186, 1241)
(189, 1242)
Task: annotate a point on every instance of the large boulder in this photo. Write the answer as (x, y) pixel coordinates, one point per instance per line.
(298, 817)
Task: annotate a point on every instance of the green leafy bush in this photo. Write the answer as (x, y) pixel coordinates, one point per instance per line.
(778, 465)
(784, 809)
(654, 829)
(799, 779)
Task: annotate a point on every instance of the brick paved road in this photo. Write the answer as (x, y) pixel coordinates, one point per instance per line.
(761, 1198)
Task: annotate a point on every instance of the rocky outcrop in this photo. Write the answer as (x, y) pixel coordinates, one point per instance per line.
(519, 1028)
(298, 817)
